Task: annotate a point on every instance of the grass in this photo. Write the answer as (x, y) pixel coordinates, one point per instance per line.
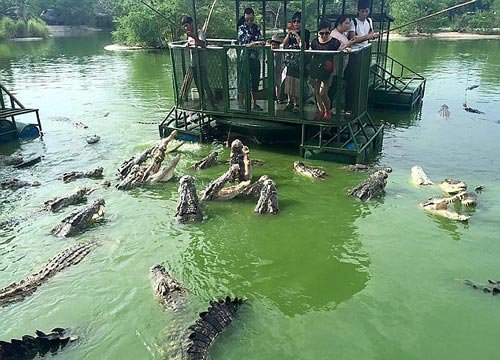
(10, 28)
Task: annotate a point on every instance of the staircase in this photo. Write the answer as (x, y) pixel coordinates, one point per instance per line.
(10, 107)
(392, 84)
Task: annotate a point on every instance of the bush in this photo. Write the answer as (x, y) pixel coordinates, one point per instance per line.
(10, 28)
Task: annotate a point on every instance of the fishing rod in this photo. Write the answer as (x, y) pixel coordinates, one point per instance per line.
(431, 15)
(153, 9)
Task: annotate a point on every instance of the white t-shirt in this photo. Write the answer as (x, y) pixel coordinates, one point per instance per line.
(361, 28)
(202, 36)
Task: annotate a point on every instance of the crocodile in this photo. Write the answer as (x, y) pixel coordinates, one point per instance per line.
(71, 256)
(167, 289)
(309, 171)
(8, 160)
(71, 176)
(208, 161)
(451, 186)
(74, 197)
(492, 287)
(365, 168)
(15, 184)
(193, 343)
(30, 347)
(188, 207)
(439, 205)
(92, 139)
(419, 177)
(210, 325)
(240, 155)
(268, 200)
(444, 111)
(255, 188)
(79, 220)
(166, 173)
(211, 191)
(372, 187)
(135, 171)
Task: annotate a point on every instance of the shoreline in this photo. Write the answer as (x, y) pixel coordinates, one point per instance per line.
(445, 35)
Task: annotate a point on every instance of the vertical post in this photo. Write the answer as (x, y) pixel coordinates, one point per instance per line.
(201, 90)
(302, 59)
(237, 15)
(264, 18)
(176, 91)
(285, 16)
(343, 6)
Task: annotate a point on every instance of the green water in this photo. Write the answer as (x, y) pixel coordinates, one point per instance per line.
(328, 278)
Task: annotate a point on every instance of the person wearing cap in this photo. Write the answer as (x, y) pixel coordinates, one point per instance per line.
(278, 66)
(198, 40)
(361, 27)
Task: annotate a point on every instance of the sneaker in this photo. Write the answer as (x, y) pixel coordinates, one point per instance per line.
(295, 109)
(288, 107)
(256, 107)
(327, 116)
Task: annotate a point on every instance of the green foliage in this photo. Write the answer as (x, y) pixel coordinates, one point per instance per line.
(10, 28)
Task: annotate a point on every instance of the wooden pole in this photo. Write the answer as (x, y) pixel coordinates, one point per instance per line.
(431, 15)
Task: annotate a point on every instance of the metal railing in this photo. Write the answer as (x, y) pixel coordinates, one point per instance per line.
(394, 76)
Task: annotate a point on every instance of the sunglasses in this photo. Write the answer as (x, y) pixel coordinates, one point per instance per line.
(321, 33)
(296, 21)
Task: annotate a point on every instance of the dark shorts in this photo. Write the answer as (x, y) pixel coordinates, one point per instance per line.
(254, 74)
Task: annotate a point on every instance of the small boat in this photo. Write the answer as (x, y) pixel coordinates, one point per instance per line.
(92, 139)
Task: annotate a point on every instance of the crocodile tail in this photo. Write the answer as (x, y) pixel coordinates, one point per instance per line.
(29, 346)
(211, 323)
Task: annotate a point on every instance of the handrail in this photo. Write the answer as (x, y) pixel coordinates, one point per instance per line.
(12, 97)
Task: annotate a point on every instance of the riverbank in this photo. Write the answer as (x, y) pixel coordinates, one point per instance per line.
(448, 35)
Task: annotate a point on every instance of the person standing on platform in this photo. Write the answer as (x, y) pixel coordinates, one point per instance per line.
(198, 40)
(293, 41)
(249, 36)
(361, 27)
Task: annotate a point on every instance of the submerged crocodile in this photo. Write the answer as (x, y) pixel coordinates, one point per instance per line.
(372, 187)
(206, 162)
(167, 289)
(15, 184)
(419, 177)
(492, 287)
(268, 200)
(444, 111)
(80, 220)
(71, 256)
(30, 347)
(71, 176)
(451, 186)
(8, 160)
(196, 341)
(309, 171)
(365, 168)
(74, 197)
(188, 207)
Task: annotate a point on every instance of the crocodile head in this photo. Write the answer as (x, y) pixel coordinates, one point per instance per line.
(166, 287)
(453, 186)
(188, 207)
(78, 221)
